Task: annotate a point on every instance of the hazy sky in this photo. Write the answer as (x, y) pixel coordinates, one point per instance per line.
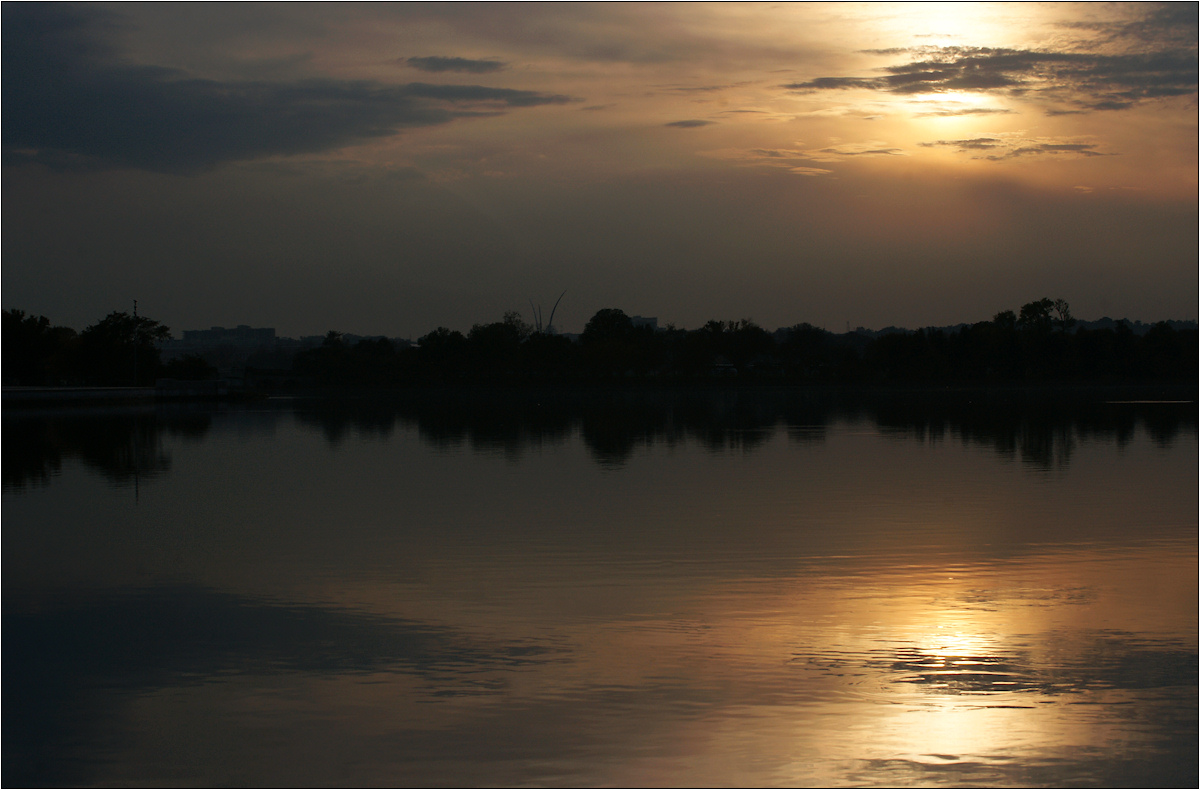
(386, 169)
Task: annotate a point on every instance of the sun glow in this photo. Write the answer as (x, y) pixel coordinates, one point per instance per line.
(951, 641)
(956, 24)
(954, 106)
(953, 99)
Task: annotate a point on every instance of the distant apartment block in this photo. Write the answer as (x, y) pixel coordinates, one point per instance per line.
(640, 321)
(239, 335)
(242, 337)
(229, 349)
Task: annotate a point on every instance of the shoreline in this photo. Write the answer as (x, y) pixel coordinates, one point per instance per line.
(1144, 392)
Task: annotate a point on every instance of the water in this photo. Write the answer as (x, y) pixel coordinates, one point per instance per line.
(729, 589)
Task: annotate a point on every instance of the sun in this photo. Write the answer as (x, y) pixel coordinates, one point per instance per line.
(953, 641)
(957, 24)
(953, 104)
(952, 114)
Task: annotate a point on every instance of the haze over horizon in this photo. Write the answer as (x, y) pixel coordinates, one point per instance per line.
(387, 169)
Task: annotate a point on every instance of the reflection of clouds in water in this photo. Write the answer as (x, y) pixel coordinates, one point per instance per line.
(160, 634)
(679, 631)
(1079, 663)
(638, 620)
(65, 658)
(1118, 767)
(1107, 705)
(950, 673)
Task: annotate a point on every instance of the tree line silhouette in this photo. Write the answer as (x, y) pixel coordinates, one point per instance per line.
(1040, 343)
(120, 350)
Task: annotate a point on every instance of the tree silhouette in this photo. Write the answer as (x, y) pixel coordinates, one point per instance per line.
(607, 324)
(1037, 316)
(613, 346)
(36, 353)
(1062, 313)
(113, 348)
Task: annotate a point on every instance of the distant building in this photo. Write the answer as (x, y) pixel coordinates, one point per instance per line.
(353, 340)
(640, 321)
(233, 351)
(230, 349)
(241, 337)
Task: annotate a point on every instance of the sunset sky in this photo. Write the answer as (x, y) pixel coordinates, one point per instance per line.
(386, 169)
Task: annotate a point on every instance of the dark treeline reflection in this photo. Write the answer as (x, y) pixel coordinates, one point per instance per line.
(612, 423)
(1038, 427)
(1038, 431)
(64, 658)
(124, 445)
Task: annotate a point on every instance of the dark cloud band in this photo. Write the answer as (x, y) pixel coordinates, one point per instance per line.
(437, 64)
(997, 149)
(68, 104)
(689, 124)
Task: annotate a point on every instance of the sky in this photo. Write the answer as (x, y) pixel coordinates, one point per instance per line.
(388, 169)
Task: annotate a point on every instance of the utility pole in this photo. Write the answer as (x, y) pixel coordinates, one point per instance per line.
(135, 342)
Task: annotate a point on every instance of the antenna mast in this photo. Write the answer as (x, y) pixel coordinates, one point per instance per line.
(556, 301)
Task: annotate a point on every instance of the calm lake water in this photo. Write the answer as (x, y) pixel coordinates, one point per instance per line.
(725, 588)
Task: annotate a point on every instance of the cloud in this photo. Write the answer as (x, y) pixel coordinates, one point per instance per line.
(477, 93)
(795, 161)
(801, 160)
(437, 64)
(809, 171)
(918, 77)
(1082, 82)
(1164, 25)
(1082, 149)
(69, 104)
(1004, 147)
(834, 83)
(953, 112)
(774, 157)
(1158, 62)
(862, 151)
(701, 88)
(689, 124)
(866, 111)
(974, 144)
